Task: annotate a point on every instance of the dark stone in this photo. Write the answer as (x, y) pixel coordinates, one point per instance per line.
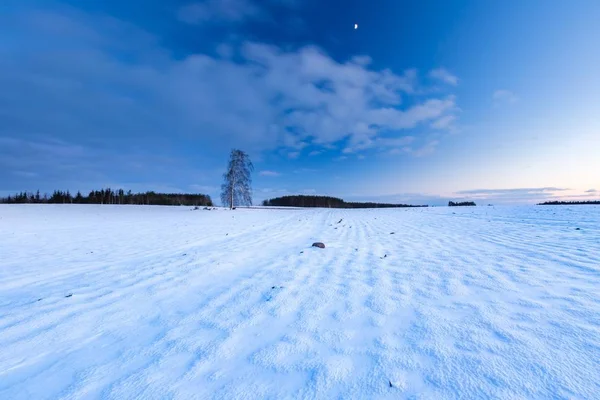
(69, 295)
(319, 245)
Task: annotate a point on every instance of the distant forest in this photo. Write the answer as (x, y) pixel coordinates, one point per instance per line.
(461, 204)
(109, 196)
(324, 201)
(569, 203)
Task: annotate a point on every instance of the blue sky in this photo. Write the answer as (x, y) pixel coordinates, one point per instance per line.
(426, 101)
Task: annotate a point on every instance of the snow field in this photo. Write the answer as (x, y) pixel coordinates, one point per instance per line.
(163, 302)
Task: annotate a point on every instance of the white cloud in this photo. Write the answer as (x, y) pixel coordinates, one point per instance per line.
(422, 151)
(314, 153)
(378, 143)
(305, 170)
(503, 96)
(267, 98)
(218, 10)
(444, 122)
(444, 75)
(427, 149)
(225, 50)
(269, 173)
(340, 158)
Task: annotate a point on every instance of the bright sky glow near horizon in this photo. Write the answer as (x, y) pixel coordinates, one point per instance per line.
(427, 101)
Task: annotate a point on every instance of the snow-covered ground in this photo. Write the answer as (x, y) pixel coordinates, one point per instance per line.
(161, 302)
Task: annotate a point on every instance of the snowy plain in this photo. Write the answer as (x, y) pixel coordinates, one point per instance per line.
(123, 302)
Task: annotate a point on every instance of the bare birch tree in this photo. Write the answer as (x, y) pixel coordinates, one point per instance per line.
(237, 190)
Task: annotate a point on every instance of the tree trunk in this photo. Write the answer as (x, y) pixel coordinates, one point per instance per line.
(231, 196)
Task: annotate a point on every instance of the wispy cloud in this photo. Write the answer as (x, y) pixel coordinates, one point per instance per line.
(511, 191)
(504, 96)
(26, 174)
(305, 170)
(218, 10)
(445, 122)
(340, 158)
(276, 98)
(314, 153)
(444, 75)
(591, 191)
(516, 195)
(427, 149)
(269, 173)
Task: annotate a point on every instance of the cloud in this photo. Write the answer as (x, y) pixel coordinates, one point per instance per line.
(314, 153)
(444, 75)
(427, 149)
(340, 158)
(512, 196)
(269, 173)
(305, 170)
(104, 87)
(381, 143)
(503, 96)
(591, 191)
(218, 10)
(26, 174)
(444, 122)
(498, 192)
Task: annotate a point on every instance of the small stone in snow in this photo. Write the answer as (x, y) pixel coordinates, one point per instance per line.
(319, 245)
(69, 295)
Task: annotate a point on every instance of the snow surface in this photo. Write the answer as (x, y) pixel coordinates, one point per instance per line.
(163, 302)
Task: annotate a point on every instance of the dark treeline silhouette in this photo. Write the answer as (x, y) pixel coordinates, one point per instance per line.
(569, 203)
(461, 204)
(109, 196)
(324, 201)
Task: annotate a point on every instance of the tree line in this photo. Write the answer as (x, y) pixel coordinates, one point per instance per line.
(461, 204)
(324, 201)
(568, 203)
(109, 196)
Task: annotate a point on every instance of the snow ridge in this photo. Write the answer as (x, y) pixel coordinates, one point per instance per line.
(485, 302)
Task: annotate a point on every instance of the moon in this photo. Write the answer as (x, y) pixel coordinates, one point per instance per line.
(355, 26)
